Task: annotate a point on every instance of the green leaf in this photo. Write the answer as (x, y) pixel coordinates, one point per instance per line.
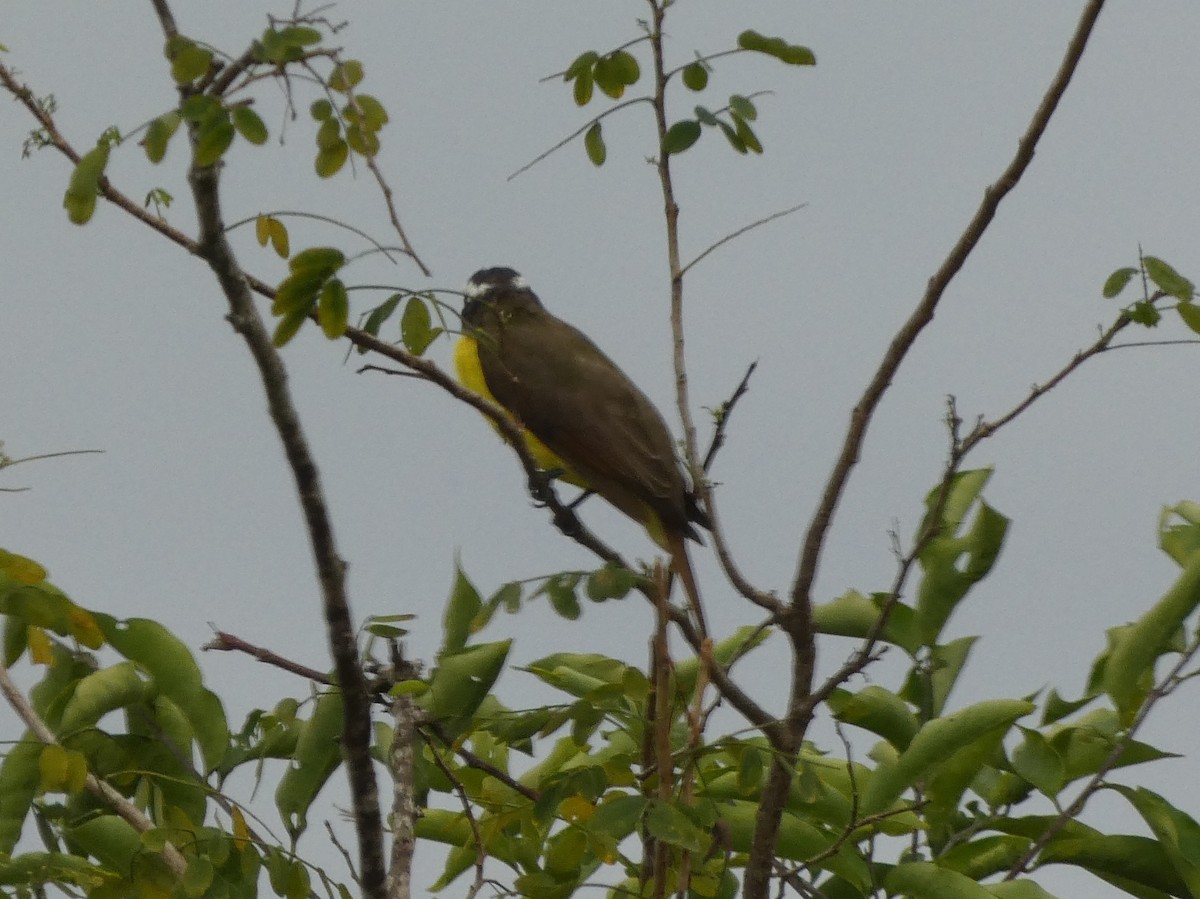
(333, 309)
(1190, 313)
(746, 134)
(731, 135)
(934, 743)
(462, 680)
(298, 293)
(1144, 313)
(1036, 760)
(174, 673)
(416, 326)
(80, 199)
(329, 160)
(110, 840)
(681, 136)
(946, 661)
(363, 142)
(1177, 832)
(462, 608)
(792, 54)
(19, 776)
(1116, 282)
(695, 76)
(609, 77)
(704, 117)
(1140, 860)
(380, 314)
(854, 615)
(1179, 539)
(367, 112)
(593, 143)
(289, 325)
(188, 59)
(346, 76)
(1168, 280)
(877, 710)
(249, 125)
(159, 134)
(668, 823)
(102, 691)
(625, 68)
(582, 64)
(1130, 664)
(610, 582)
(213, 138)
(560, 589)
(318, 754)
(321, 110)
(583, 89)
(954, 562)
(199, 108)
(741, 106)
(926, 879)
(320, 261)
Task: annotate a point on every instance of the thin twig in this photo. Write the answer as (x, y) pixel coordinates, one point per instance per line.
(723, 413)
(574, 134)
(983, 430)
(226, 642)
(481, 764)
(740, 231)
(6, 462)
(480, 851)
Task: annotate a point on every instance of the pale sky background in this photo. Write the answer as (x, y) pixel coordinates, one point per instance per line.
(113, 339)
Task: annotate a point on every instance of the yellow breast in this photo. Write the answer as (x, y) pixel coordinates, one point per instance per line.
(470, 375)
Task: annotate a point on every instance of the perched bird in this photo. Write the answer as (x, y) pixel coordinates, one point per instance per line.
(583, 418)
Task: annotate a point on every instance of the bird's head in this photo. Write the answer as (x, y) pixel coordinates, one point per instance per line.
(491, 288)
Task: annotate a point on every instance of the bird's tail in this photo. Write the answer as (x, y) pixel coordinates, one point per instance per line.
(681, 563)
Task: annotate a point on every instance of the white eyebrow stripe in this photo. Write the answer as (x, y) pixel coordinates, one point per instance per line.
(474, 290)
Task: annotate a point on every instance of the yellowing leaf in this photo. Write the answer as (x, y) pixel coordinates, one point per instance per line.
(241, 832)
(40, 650)
(84, 628)
(21, 569)
(576, 809)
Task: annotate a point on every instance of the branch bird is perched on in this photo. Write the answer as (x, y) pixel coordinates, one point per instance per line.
(583, 418)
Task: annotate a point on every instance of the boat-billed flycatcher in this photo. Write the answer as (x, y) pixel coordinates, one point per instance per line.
(583, 418)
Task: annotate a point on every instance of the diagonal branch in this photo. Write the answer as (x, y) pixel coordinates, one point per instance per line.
(861, 416)
(213, 246)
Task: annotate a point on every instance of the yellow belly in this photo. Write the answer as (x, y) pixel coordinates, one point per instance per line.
(470, 374)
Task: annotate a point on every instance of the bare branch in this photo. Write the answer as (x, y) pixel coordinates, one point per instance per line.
(404, 802)
(740, 231)
(244, 317)
(480, 850)
(226, 642)
(861, 416)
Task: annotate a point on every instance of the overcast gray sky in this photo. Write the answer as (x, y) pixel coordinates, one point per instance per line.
(113, 339)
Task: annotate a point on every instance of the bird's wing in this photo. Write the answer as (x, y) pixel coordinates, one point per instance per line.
(568, 393)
